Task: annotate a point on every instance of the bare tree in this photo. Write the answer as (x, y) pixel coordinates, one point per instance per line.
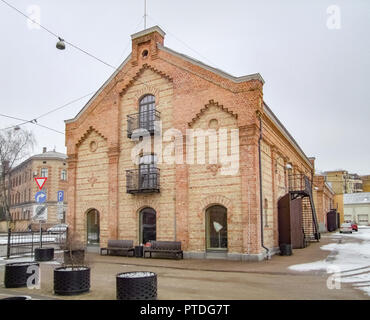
(15, 146)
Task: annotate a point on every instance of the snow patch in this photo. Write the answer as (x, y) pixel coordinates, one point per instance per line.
(351, 259)
(135, 275)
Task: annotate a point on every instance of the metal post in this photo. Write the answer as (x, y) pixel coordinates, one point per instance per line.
(145, 14)
(40, 235)
(8, 246)
(32, 244)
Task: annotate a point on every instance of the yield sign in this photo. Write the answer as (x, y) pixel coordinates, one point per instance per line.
(40, 182)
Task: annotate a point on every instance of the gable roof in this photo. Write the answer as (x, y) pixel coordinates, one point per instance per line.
(219, 72)
(285, 132)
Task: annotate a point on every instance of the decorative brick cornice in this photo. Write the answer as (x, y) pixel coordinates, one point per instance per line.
(86, 134)
(140, 72)
(206, 107)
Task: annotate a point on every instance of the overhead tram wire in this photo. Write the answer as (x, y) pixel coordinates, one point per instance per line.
(55, 35)
(72, 45)
(181, 41)
(33, 121)
(47, 113)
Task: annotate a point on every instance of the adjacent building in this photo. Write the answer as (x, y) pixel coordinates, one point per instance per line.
(224, 205)
(50, 164)
(344, 182)
(324, 200)
(365, 183)
(357, 208)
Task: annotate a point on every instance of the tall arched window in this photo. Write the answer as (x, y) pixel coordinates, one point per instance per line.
(148, 225)
(216, 228)
(93, 227)
(147, 112)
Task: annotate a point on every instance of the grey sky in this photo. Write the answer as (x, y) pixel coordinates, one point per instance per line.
(315, 77)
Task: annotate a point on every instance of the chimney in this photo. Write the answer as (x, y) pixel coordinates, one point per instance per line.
(312, 161)
(43, 149)
(144, 45)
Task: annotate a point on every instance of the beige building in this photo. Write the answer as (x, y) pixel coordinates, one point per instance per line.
(365, 183)
(357, 208)
(23, 187)
(324, 200)
(344, 182)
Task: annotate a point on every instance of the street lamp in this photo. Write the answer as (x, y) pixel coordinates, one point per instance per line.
(60, 44)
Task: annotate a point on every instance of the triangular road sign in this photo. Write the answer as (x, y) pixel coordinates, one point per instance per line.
(40, 182)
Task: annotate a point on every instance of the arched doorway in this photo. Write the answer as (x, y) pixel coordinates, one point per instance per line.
(93, 227)
(216, 228)
(148, 225)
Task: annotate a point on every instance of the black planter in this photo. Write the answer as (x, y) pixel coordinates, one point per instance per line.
(139, 250)
(68, 281)
(74, 257)
(286, 249)
(136, 286)
(17, 298)
(16, 275)
(44, 254)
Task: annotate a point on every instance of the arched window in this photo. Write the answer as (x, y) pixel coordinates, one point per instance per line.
(93, 227)
(147, 112)
(148, 225)
(216, 228)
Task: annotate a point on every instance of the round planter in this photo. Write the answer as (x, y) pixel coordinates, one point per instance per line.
(136, 286)
(44, 254)
(286, 249)
(78, 257)
(16, 275)
(70, 281)
(17, 298)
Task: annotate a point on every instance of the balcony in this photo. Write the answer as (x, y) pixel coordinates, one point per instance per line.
(143, 180)
(140, 123)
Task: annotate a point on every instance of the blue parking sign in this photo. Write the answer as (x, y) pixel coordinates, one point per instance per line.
(60, 196)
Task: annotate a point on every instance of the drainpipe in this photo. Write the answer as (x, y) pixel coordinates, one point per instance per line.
(260, 175)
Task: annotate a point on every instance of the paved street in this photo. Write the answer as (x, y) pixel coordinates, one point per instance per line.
(218, 279)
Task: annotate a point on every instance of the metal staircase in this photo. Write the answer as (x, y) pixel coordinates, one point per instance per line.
(300, 187)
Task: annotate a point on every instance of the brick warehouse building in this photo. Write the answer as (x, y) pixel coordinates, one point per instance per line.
(110, 197)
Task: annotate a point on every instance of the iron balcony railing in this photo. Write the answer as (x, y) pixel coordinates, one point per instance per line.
(140, 123)
(143, 180)
(299, 183)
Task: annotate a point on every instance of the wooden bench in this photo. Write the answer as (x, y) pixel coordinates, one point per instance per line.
(173, 247)
(124, 246)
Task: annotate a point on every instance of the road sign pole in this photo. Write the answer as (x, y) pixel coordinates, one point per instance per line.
(40, 235)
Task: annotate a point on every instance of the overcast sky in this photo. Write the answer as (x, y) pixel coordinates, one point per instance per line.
(316, 76)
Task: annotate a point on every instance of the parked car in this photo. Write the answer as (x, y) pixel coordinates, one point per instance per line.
(354, 226)
(62, 227)
(345, 228)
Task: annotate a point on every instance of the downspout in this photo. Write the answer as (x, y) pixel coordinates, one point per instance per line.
(260, 176)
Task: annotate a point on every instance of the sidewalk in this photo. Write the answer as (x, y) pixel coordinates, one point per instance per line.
(207, 279)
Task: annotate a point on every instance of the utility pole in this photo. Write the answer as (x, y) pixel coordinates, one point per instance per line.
(145, 15)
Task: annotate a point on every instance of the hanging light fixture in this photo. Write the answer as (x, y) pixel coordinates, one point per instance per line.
(60, 44)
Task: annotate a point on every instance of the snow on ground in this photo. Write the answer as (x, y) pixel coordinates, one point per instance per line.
(350, 261)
